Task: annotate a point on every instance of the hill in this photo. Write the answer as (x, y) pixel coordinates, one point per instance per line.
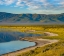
(31, 18)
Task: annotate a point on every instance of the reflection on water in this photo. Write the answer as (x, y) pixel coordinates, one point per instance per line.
(11, 36)
(9, 41)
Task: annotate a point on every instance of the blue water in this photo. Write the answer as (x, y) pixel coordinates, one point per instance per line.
(7, 47)
(12, 36)
(9, 41)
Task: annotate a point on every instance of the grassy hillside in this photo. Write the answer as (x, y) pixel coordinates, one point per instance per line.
(56, 49)
(23, 18)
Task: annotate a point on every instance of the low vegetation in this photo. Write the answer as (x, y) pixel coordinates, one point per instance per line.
(55, 49)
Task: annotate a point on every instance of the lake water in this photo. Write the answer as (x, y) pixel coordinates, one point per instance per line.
(7, 47)
(12, 36)
(9, 41)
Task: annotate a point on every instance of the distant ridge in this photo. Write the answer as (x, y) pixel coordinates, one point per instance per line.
(31, 18)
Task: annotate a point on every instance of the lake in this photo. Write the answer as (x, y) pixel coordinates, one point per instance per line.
(6, 36)
(10, 41)
(11, 46)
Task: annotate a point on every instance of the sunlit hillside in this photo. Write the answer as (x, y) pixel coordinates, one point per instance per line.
(31, 18)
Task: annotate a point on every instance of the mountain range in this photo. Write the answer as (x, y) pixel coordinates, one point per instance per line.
(31, 18)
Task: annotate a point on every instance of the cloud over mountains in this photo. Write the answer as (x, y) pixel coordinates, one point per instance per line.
(44, 6)
(35, 4)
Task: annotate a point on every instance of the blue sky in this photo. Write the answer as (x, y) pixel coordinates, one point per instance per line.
(32, 6)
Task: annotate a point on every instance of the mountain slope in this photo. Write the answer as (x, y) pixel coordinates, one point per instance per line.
(52, 18)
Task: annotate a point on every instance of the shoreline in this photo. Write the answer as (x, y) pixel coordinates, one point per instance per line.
(38, 43)
(21, 49)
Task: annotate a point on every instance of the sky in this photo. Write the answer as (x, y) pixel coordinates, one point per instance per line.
(32, 6)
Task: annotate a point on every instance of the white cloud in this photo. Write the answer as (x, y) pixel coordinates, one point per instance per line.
(48, 11)
(28, 3)
(19, 3)
(33, 8)
(35, 4)
(8, 2)
(61, 3)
